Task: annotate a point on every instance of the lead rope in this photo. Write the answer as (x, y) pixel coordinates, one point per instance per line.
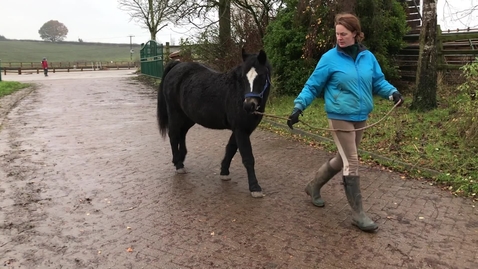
(332, 130)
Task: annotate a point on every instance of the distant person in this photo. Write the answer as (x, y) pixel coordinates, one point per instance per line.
(44, 64)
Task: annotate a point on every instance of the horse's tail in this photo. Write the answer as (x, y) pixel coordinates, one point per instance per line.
(162, 113)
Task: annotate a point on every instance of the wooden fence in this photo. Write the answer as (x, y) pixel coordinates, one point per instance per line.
(455, 49)
(36, 67)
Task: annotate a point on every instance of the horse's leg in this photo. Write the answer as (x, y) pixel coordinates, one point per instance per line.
(174, 138)
(174, 132)
(231, 149)
(182, 150)
(244, 144)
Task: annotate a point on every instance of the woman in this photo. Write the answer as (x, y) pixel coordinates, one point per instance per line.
(349, 75)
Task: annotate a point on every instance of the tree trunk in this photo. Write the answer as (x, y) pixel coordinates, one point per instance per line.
(152, 29)
(224, 23)
(425, 93)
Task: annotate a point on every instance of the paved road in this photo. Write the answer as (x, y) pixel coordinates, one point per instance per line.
(40, 78)
(87, 182)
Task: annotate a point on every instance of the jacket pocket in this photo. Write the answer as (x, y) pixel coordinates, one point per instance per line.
(337, 94)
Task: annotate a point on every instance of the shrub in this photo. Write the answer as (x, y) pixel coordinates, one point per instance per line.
(384, 25)
(467, 104)
(291, 49)
(304, 30)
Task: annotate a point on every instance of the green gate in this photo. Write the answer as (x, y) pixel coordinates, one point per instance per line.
(152, 59)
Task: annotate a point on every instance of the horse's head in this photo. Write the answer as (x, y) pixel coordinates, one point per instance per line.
(256, 75)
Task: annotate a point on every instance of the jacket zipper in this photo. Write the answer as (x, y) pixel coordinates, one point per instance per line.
(358, 82)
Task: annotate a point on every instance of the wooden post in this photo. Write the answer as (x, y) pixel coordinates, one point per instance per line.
(440, 55)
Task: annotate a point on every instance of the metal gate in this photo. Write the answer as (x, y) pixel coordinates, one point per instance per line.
(152, 59)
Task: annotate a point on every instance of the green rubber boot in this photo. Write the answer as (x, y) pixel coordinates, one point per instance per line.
(354, 197)
(325, 173)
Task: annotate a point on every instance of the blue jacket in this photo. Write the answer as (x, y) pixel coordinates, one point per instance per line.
(348, 85)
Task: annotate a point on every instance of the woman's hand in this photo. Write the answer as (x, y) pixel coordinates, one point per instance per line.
(294, 117)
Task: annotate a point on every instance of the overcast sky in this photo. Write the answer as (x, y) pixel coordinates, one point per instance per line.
(90, 20)
(103, 21)
(450, 14)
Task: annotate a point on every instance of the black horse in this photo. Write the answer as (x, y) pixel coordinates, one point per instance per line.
(192, 93)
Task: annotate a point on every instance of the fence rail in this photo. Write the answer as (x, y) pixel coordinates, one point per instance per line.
(36, 67)
(455, 48)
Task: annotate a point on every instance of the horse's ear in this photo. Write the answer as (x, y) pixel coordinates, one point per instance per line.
(244, 54)
(262, 57)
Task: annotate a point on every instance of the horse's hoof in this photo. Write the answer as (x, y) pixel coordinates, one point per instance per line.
(225, 177)
(257, 194)
(181, 171)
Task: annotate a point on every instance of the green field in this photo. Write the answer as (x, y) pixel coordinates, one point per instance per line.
(34, 51)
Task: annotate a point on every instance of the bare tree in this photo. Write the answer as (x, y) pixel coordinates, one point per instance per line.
(261, 11)
(425, 94)
(205, 14)
(202, 13)
(199, 13)
(226, 24)
(465, 16)
(151, 14)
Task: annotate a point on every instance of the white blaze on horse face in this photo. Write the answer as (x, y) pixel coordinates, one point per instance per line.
(251, 75)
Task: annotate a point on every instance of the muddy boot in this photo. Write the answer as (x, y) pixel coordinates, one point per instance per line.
(325, 173)
(352, 191)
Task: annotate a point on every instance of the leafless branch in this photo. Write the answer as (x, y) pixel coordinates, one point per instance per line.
(464, 16)
(151, 14)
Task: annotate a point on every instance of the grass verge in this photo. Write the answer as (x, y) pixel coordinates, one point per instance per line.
(149, 81)
(9, 87)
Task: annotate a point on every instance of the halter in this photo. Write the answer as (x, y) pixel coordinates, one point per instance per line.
(258, 95)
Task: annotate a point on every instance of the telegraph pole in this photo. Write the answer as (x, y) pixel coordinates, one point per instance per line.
(131, 46)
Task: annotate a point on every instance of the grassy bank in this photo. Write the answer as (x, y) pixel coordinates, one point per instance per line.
(411, 142)
(8, 87)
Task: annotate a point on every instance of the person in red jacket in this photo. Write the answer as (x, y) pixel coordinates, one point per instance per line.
(44, 64)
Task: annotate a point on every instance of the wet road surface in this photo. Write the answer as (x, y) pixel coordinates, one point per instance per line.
(87, 182)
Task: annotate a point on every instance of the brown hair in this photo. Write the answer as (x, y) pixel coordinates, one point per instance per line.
(352, 23)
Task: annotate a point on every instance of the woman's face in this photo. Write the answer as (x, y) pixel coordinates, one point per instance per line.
(344, 36)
